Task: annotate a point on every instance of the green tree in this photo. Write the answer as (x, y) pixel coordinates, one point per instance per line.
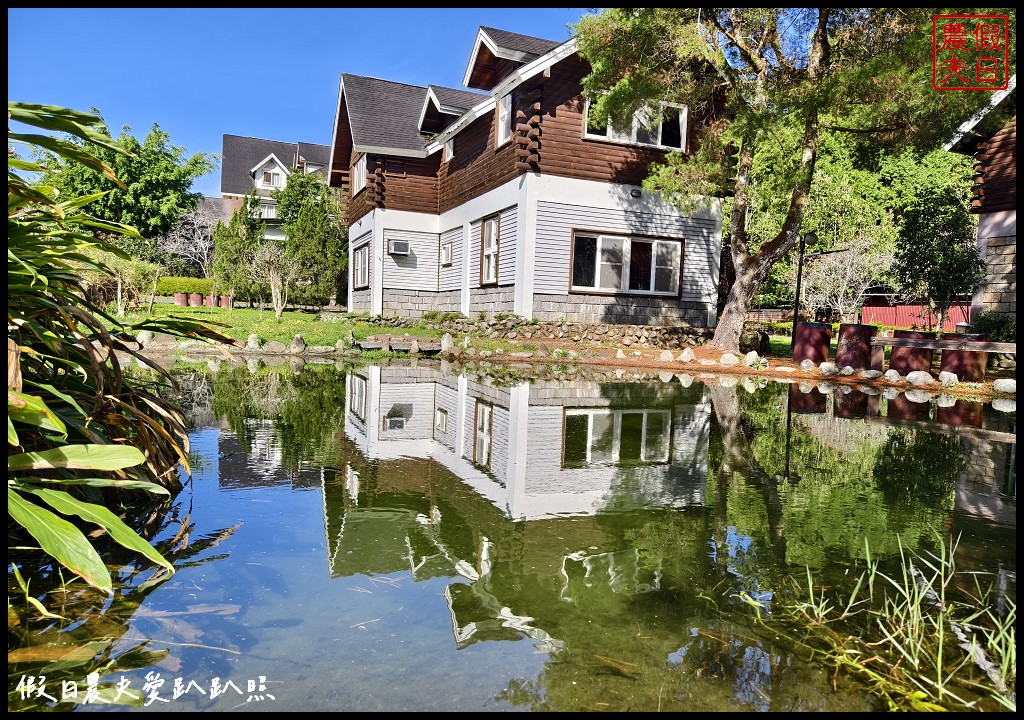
(234, 246)
(770, 81)
(315, 237)
(937, 259)
(157, 182)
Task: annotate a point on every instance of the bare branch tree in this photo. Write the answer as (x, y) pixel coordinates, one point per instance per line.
(191, 238)
(271, 265)
(837, 281)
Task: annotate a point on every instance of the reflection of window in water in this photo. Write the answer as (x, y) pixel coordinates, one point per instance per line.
(357, 396)
(482, 436)
(396, 417)
(615, 437)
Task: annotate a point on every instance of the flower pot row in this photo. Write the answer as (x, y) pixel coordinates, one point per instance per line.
(199, 300)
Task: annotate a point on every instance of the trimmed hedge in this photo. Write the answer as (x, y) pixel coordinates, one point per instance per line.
(167, 286)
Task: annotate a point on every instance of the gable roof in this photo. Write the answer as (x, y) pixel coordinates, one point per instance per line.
(384, 115)
(268, 158)
(987, 121)
(442, 106)
(240, 154)
(498, 52)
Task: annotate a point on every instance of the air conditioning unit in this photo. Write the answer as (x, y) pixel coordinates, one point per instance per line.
(398, 247)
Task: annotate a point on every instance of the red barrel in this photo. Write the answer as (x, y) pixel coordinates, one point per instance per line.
(853, 348)
(181, 298)
(225, 301)
(899, 408)
(968, 365)
(905, 360)
(851, 405)
(806, 403)
(195, 299)
(812, 342)
(964, 413)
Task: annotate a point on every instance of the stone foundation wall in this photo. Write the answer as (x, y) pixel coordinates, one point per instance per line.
(491, 300)
(618, 310)
(413, 303)
(360, 301)
(1000, 291)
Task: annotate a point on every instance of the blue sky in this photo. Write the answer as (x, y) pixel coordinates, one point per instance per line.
(201, 73)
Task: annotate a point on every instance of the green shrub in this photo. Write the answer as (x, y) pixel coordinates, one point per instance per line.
(169, 285)
(999, 327)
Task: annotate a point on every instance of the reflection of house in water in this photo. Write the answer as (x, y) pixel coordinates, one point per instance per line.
(260, 464)
(441, 472)
(544, 448)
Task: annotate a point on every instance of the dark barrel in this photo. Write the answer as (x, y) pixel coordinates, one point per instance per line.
(853, 348)
(905, 360)
(812, 342)
(968, 365)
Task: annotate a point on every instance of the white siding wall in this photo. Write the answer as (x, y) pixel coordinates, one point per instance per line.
(555, 222)
(418, 269)
(450, 277)
(507, 247)
(447, 399)
(412, 401)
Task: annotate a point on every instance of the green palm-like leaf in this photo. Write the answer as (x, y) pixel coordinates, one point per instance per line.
(77, 457)
(60, 539)
(121, 533)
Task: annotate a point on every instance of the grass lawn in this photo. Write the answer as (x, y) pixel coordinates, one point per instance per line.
(239, 323)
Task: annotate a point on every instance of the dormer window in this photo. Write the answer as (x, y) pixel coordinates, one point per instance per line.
(271, 179)
(504, 133)
(359, 175)
(664, 129)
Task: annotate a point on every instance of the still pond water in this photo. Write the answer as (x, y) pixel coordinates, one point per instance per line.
(405, 538)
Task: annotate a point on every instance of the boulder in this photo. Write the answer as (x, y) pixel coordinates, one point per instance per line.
(920, 378)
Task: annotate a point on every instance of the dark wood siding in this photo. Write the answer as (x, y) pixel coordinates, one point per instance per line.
(363, 202)
(995, 186)
(416, 190)
(477, 166)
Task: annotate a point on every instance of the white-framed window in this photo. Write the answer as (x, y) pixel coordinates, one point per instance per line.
(268, 211)
(271, 179)
(441, 420)
(482, 436)
(490, 236)
(357, 396)
(358, 179)
(446, 253)
(361, 266)
(504, 131)
(449, 150)
(623, 264)
(616, 437)
(666, 129)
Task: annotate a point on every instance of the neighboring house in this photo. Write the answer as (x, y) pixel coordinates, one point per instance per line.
(249, 164)
(504, 199)
(991, 137)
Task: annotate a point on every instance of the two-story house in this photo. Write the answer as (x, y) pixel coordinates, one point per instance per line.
(506, 198)
(249, 164)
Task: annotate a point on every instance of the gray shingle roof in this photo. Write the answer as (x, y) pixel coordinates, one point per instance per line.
(519, 43)
(461, 100)
(241, 154)
(384, 114)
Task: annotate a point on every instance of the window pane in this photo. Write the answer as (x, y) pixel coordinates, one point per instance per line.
(646, 132)
(666, 274)
(656, 438)
(611, 263)
(574, 452)
(603, 438)
(584, 261)
(596, 124)
(632, 436)
(640, 265)
(671, 132)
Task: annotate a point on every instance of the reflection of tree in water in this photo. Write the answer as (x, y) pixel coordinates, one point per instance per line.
(307, 409)
(920, 467)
